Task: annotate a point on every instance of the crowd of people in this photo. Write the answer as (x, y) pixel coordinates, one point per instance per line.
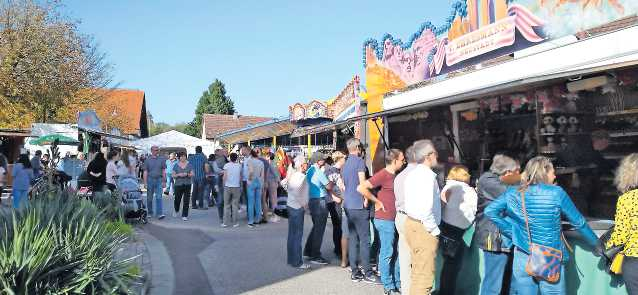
(389, 227)
(412, 218)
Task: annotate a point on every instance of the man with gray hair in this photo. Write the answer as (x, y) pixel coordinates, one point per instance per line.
(399, 192)
(496, 247)
(423, 209)
(155, 180)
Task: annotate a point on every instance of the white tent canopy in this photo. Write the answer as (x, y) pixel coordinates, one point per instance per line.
(175, 139)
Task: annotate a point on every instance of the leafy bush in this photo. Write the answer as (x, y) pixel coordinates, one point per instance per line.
(62, 246)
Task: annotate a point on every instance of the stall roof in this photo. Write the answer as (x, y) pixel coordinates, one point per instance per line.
(15, 132)
(608, 51)
(268, 129)
(175, 139)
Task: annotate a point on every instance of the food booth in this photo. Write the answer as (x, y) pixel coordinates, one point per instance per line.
(499, 77)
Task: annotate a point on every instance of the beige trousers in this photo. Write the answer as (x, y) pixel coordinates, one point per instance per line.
(423, 248)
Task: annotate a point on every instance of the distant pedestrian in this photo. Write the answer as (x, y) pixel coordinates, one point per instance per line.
(111, 169)
(263, 157)
(170, 163)
(4, 169)
(458, 213)
(232, 191)
(272, 185)
(155, 180)
(353, 174)
(36, 164)
(254, 184)
(212, 189)
(423, 207)
(182, 178)
(198, 162)
(245, 153)
(220, 161)
(335, 209)
(97, 172)
(22, 174)
(296, 185)
(384, 218)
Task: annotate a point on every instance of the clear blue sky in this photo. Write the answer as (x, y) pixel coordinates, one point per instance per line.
(269, 54)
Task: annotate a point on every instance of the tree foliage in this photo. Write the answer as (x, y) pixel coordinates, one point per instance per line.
(213, 101)
(44, 60)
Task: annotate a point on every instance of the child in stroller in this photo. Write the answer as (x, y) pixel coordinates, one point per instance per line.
(134, 207)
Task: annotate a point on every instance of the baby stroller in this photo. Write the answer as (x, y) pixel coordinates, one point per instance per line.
(132, 202)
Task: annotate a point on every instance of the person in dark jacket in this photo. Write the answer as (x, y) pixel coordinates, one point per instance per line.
(496, 248)
(537, 205)
(97, 172)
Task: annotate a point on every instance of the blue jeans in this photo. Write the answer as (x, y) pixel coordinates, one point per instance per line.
(20, 197)
(254, 201)
(359, 239)
(388, 254)
(197, 197)
(524, 284)
(169, 183)
(319, 215)
(295, 235)
(154, 191)
(494, 269)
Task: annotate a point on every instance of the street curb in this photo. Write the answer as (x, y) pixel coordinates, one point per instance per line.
(162, 278)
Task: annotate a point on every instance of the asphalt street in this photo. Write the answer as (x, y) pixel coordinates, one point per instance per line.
(208, 259)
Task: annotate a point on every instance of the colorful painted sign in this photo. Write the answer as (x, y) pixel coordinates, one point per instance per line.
(88, 120)
(313, 110)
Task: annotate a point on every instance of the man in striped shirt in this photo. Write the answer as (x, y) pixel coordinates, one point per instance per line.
(198, 161)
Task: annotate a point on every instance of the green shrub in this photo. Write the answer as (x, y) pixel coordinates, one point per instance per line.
(62, 246)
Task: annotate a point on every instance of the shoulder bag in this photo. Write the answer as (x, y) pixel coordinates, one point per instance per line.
(614, 256)
(543, 262)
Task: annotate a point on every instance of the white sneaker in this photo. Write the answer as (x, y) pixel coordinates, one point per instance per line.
(224, 225)
(185, 218)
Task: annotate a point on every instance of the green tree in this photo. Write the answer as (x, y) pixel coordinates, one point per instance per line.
(213, 101)
(44, 59)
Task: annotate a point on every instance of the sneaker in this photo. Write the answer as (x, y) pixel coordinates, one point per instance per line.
(387, 291)
(319, 261)
(161, 217)
(236, 225)
(185, 218)
(372, 279)
(356, 276)
(304, 266)
(224, 225)
(251, 225)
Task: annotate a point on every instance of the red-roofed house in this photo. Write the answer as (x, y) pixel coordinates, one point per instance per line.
(213, 125)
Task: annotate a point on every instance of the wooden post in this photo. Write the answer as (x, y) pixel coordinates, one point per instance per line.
(274, 142)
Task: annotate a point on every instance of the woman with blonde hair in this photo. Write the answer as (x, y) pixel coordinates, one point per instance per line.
(459, 202)
(335, 209)
(534, 210)
(626, 221)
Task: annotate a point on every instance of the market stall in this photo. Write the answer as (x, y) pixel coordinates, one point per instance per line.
(172, 139)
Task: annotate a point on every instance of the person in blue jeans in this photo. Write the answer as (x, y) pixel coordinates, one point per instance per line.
(22, 177)
(318, 188)
(296, 185)
(155, 180)
(535, 210)
(254, 185)
(384, 215)
(496, 247)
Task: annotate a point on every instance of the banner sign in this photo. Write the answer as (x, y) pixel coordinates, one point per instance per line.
(486, 39)
(88, 120)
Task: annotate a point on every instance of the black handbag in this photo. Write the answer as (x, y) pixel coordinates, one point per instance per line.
(609, 253)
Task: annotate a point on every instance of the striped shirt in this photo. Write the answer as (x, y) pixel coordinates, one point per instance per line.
(198, 161)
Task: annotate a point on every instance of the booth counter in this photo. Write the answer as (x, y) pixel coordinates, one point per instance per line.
(585, 273)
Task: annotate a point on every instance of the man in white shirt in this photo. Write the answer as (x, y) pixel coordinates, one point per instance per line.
(399, 193)
(423, 208)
